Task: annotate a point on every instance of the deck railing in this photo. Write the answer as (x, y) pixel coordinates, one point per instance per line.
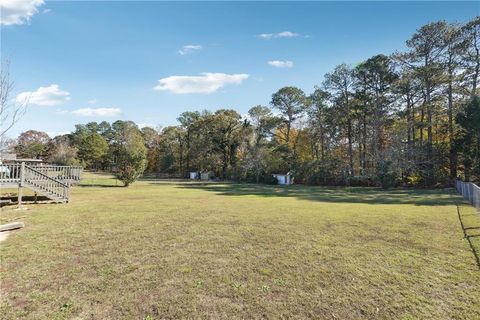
(51, 181)
(45, 184)
(63, 173)
(11, 172)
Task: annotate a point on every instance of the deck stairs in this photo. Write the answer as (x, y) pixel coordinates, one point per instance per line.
(49, 187)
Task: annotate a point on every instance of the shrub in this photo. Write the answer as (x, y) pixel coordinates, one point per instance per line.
(361, 181)
(268, 179)
(387, 176)
(131, 155)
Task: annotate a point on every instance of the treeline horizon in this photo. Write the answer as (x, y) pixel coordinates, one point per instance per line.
(411, 119)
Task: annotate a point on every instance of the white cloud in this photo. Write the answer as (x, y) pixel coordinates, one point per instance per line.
(92, 101)
(97, 112)
(18, 11)
(189, 48)
(44, 96)
(205, 83)
(281, 63)
(283, 34)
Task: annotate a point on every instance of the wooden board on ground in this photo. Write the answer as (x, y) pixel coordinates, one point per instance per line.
(11, 226)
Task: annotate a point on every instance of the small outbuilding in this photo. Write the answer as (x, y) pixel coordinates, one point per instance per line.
(194, 175)
(208, 175)
(284, 178)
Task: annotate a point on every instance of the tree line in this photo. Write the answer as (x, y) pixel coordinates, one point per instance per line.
(410, 118)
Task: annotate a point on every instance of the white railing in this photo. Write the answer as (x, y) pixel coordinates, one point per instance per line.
(10, 172)
(51, 181)
(470, 192)
(41, 182)
(63, 173)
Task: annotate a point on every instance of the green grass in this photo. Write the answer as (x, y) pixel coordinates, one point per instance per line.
(170, 250)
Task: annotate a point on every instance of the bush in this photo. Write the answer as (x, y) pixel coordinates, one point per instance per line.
(319, 173)
(414, 179)
(268, 179)
(131, 155)
(361, 181)
(387, 176)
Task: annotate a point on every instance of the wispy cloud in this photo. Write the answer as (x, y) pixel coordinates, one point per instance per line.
(281, 63)
(189, 48)
(205, 83)
(44, 96)
(283, 34)
(18, 11)
(92, 101)
(97, 112)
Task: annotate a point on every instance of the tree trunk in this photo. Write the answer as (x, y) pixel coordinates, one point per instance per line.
(322, 146)
(364, 142)
(360, 152)
(452, 155)
(287, 138)
(349, 132)
(350, 147)
(187, 165)
(430, 177)
(422, 120)
(225, 164)
(477, 66)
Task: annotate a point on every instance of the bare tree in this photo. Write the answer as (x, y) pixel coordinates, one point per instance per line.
(10, 110)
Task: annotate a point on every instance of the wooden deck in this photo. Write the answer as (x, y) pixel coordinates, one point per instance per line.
(51, 181)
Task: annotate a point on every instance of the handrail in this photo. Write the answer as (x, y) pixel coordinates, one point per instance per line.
(60, 172)
(47, 177)
(10, 172)
(39, 180)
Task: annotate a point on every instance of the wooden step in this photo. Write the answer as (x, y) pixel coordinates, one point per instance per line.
(53, 196)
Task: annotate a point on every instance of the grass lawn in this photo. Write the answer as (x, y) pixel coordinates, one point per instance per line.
(170, 250)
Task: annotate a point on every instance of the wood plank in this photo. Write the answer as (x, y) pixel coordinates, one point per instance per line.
(11, 226)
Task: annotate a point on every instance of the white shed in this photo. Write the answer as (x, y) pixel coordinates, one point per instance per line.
(206, 175)
(284, 178)
(194, 175)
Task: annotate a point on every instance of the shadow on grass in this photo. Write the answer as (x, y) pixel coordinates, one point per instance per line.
(26, 199)
(436, 197)
(470, 224)
(182, 182)
(99, 185)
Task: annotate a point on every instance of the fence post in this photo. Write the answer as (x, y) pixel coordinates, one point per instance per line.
(65, 193)
(21, 184)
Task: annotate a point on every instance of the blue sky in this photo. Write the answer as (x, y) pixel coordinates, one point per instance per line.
(92, 61)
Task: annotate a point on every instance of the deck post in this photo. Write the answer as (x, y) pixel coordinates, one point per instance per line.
(20, 184)
(65, 193)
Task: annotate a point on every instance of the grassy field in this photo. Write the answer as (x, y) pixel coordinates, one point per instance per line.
(172, 250)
